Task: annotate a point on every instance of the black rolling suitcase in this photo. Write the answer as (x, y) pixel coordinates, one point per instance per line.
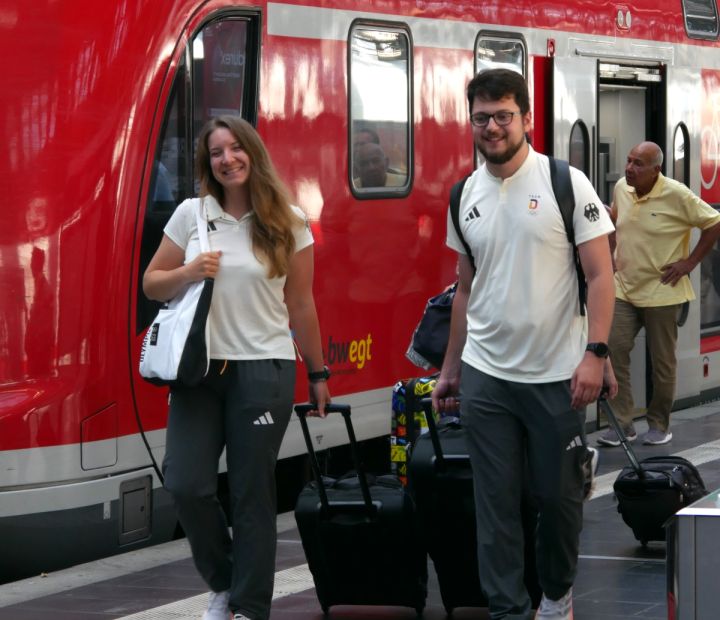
(440, 479)
(651, 491)
(360, 534)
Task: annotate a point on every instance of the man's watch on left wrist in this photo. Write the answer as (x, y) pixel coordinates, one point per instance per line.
(319, 375)
(599, 349)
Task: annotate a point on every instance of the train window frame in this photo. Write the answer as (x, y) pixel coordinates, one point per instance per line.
(182, 93)
(580, 127)
(370, 126)
(681, 130)
(694, 20)
(500, 36)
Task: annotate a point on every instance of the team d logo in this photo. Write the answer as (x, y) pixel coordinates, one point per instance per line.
(592, 213)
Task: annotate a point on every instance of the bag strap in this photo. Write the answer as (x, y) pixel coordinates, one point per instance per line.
(565, 197)
(455, 195)
(202, 225)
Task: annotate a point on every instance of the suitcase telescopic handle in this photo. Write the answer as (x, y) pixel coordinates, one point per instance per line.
(610, 414)
(302, 411)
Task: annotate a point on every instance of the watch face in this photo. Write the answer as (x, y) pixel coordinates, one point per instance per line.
(599, 348)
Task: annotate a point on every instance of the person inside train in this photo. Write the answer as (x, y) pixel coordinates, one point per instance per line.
(371, 165)
(364, 135)
(520, 354)
(654, 218)
(262, 263)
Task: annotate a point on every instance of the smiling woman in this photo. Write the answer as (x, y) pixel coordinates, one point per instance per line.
(262, 264)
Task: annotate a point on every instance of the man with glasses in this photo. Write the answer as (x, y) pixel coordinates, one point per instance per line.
(520, 353)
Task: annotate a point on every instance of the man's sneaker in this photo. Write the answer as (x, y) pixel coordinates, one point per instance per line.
(590, 467)
(240, 617)
(218, 606)
(655, 437)
(556, 610)
(610, 437)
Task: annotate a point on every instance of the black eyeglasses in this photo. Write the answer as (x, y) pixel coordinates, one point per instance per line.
(501, 118)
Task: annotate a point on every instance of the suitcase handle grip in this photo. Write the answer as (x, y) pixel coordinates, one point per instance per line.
(426, 404)
(302, 411)
(305, 408)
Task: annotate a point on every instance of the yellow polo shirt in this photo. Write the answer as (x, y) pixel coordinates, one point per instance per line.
(654, 231)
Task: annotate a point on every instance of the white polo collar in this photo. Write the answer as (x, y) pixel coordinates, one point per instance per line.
(215, 212)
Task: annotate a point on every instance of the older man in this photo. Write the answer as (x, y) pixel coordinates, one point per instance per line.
(654, 217)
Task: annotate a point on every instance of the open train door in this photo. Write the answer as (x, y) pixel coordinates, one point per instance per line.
(213, 71)
(684, 97)
(574, 114)
(575, 92)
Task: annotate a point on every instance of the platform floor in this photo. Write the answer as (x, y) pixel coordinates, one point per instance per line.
(617, 579)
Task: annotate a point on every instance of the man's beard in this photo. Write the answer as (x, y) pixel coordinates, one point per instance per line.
(502, 158)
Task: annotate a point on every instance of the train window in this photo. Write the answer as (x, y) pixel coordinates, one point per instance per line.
(701, 18)
(681, 161)
(580, 147)
(220, 54)
(380, 110)
(494, 50)
(216, 75)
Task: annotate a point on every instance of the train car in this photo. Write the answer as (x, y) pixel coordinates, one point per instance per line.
(101, 104)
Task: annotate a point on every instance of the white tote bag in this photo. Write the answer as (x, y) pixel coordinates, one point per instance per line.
(174, 351)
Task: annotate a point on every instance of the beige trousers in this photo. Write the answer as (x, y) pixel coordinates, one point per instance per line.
(660, 325)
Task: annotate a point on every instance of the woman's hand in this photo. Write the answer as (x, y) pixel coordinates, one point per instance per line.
(166, 274)
(204, 265)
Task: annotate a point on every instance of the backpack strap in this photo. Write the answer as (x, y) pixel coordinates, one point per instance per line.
(563, 189)
(455, 195)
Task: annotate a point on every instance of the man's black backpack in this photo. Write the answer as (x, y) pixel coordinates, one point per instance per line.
(562, 186)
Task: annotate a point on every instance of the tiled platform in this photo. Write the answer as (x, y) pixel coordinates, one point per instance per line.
(617, 579)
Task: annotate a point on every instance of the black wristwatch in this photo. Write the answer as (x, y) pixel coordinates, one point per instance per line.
(598, 348)
(320, 375)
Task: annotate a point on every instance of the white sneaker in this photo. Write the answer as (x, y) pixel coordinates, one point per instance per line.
(240, 617)
(217, 608)
(561, 609)
(655, 437)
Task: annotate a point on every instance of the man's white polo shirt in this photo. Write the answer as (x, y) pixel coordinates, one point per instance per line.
(523, 318)
(248, 316)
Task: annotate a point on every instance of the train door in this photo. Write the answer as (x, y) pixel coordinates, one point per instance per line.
(631, 109)
(684, 101)
(574, 125)
(215, 73)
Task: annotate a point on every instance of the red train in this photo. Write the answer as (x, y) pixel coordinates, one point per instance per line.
(101, 105)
